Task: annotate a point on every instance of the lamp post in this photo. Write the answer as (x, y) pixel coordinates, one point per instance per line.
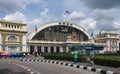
(81, 51)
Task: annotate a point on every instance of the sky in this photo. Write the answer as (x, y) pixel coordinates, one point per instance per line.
(94, 15)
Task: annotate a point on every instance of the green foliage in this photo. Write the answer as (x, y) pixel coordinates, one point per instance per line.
(107, 62)
(104, 59)
(63, 56)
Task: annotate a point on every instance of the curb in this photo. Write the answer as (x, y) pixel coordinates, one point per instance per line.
(97, 70)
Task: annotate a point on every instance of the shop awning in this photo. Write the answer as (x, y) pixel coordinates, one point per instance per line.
(87, 47)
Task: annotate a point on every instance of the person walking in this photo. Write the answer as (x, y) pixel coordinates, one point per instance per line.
(75, 55)
(91, 58)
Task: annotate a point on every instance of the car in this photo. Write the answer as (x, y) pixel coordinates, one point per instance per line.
(17, 55)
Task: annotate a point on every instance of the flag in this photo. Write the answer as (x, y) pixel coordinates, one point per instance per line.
(35, 28)
(91, 34)
(64, 29)
(100, 34)
(68, 12)
(49, 29)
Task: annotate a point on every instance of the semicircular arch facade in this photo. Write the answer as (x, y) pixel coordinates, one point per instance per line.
(41, 27)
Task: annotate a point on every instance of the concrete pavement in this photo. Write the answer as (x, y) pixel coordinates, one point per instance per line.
(95, 68)
(48, 68)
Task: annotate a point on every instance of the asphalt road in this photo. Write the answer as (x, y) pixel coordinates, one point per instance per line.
(8, 68)
(48, 68)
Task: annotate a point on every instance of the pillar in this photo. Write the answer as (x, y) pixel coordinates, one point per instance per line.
(42, 48)
(117, 45)
(54, 48)
(108, 45)
(67, 49)
(29, 48)
(61, 49)
(35, 48)
(48, 48)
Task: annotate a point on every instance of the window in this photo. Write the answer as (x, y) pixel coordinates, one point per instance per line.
(12, 26)
(12, 48)
(71, 25)
(67, 23)
(9, 26)
(60, 23)
(17, 26)
(6, 25)
(12, 38)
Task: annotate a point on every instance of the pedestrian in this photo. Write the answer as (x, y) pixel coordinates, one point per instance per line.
(91, 58)
(35, 54)
(28, 54)
(75, 55)
(24, 55)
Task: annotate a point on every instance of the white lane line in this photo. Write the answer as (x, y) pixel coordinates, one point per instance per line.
(25, 67)
(28, 69)
(36, 71)
(31, 72)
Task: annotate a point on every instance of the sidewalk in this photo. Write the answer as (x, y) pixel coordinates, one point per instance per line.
(95, 68)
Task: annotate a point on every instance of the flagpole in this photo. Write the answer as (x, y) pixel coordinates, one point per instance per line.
(67, 15)
(35, 28)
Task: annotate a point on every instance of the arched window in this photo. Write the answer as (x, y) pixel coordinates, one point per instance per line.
(12, 38)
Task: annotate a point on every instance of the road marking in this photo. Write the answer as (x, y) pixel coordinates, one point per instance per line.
(31, 72)
(28, 69)
(36, 71)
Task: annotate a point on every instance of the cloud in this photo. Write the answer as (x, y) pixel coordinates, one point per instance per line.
(45, 12)
(104, 20)
(116, 25)
(31, 24)
(16, 5)
(89, 24)
(12, 6)
(17, 16)
(74, 16)
(101, 4)
(84, 21)
(44, 17)
(33, 1)
(47, 16)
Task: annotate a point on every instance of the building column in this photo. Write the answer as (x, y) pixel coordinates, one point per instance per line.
(3, 42)
(117, 45)
(35, 48)
(108, 45)
(49, 49)
(61, 49)
(55, 49)
(67, 49)
(29, 48)
(42, 48)
(0, 42)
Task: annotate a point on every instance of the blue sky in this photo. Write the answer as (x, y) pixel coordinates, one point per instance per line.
(94, 15)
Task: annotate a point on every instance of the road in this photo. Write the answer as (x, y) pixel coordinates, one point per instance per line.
(7, 67)
(48, 68)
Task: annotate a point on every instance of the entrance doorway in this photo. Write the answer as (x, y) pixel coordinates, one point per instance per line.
(12, 48)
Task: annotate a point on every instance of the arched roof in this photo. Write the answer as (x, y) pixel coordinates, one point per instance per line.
(41, 27)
